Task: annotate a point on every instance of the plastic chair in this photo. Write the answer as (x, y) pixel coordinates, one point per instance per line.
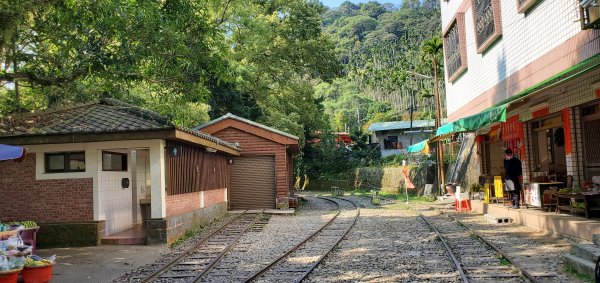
(29, 237)
(462, 203)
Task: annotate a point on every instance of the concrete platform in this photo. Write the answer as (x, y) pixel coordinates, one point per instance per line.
(101, 263)
(576, 227)
(269, 211)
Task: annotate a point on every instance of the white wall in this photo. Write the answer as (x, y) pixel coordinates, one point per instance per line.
(114, 200)
(143, 185)
(525, 37)
(104, 184)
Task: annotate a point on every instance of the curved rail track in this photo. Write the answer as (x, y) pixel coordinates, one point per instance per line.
(475, 258)
(195, 262)
(301, 260)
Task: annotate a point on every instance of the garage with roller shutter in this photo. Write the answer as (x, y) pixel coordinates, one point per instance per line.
(263, 172)
(252, 182)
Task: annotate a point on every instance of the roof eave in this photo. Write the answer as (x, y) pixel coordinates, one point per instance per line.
(31, 139)
(189, 137)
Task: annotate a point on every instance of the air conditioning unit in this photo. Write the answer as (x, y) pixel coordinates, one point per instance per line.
(586, 4)
(590, 13)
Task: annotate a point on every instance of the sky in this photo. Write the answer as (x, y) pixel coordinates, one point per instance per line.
(336, 3)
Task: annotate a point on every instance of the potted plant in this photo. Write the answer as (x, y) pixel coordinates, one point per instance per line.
(475, 190)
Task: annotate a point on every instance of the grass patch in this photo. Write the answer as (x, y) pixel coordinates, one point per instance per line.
(188, 234)
(192, 232)
(503, 261)
(583, 277)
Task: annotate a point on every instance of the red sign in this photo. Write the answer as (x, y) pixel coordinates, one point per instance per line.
(512, 129)
(566, 115)
(540, 113)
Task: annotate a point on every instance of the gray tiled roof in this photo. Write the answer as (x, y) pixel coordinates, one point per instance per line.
(232, 116)
(401, 125)
(104, 116)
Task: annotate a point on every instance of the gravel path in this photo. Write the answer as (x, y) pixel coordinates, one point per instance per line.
(257, 249)
(388, 244)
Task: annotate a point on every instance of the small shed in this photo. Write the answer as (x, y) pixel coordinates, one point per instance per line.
(97, 170)
(263, 173)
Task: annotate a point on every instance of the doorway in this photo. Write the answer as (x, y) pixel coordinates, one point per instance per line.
(548, 140)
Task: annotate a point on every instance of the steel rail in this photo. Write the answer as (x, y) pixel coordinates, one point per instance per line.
(177, 259)
(231, 244)
(257, 274)
(448, 250)
(315, 264)
(514, 263)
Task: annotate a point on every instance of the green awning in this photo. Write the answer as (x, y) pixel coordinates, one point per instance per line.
(473, 122)
(480, 120)
(447, 129)
(422, 146)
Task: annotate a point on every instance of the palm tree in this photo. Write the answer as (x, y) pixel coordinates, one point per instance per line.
(430, 51)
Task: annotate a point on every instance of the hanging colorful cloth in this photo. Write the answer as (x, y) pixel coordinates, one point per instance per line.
(407, 182)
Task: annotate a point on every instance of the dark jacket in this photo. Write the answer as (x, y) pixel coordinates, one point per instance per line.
(512, 171)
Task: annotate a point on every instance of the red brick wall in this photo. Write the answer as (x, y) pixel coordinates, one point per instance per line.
(44, 201)
(182, 203)
(255, 145)
(212, 197)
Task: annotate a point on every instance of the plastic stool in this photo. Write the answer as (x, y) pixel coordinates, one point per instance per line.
(463, 205)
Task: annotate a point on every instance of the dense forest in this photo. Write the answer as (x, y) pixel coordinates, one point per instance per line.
(295, 65)
(384, 72)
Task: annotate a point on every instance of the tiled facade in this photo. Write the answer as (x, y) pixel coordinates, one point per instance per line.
(536, 43)
(524, 38)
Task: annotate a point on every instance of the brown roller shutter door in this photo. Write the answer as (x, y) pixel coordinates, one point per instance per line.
(252, 182)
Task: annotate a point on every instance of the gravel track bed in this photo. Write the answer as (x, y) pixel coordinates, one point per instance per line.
(257, 249)
(298, 263)
(387, 245)
(535, 251)
(174, 252)
(479, 261)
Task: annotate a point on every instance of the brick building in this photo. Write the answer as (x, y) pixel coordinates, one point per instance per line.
(95, 170)
(539, 62)
(264, 171)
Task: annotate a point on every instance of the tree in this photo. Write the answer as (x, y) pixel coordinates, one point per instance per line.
(431, 50)
(70, 51)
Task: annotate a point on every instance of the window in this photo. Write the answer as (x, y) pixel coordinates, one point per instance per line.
(455, 47)
(524, 5)
(488, 23)
(113, 161)
(391, 142)
(65, 162)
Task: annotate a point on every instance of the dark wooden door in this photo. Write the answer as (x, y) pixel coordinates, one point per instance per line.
(252, 182)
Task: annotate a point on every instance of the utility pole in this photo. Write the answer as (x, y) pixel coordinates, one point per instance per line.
(411, 108)
(438, 123)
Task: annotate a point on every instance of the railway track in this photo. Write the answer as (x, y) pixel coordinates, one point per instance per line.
(476, 259)
(301, 260)
(193, 264)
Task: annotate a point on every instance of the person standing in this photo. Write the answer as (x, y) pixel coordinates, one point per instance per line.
(513, 172)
